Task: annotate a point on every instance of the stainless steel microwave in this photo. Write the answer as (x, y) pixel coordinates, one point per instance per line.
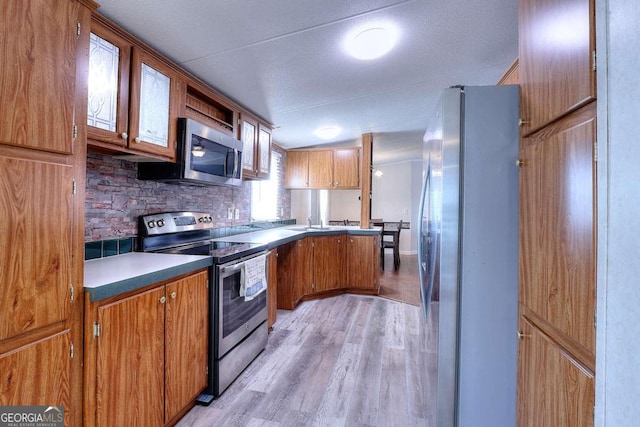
(204, 156)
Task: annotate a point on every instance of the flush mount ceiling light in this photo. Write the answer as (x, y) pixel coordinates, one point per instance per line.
(371, 42)
(328, 132)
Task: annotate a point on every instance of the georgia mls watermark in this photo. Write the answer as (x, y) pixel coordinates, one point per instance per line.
(31, 416)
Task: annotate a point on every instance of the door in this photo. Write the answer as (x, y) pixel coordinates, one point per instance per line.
(108, 92)
(329, 268)
(321, 169)
(264, 151)
(557, 228)
(130, 361)
(38, 373)
(152, 109)
(297, 170)
(39, 41)
(346, 170)
(186, 339)
(556, 60)
(554, 389)
(249, 138)
(363, 261)
(36, 272)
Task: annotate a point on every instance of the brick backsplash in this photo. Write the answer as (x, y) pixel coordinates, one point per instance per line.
(115, 198)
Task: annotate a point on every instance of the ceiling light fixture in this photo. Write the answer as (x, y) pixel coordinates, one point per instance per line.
(371, 42)
(328, 132)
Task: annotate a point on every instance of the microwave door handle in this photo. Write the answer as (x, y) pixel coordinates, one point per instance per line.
(235, 162)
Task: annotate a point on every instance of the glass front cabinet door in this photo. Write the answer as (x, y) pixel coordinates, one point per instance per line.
(152, 117)
(131, 97)
(108, 95)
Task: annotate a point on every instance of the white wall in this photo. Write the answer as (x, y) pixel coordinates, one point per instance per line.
(344, 204)
(394, 199)
(618, 282)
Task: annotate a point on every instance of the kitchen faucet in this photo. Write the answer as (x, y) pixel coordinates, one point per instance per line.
(309, 221)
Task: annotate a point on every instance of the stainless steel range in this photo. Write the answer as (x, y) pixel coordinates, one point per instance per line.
(237, 325)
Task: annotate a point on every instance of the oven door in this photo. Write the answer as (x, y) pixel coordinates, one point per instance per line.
(237, 318)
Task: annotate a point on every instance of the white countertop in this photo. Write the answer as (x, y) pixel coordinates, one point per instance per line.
(105, 277)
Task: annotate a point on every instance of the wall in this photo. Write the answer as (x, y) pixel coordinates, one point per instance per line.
(116, 198)
(344, 204)
(618, 329)
(394, 198)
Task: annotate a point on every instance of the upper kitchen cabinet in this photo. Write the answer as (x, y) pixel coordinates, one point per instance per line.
(133, 97)
(38, 56)
(108, 98)
(256, 152)
(320, 169)
(153, 106)
(323, 169)
(346, 168)
(297, 171)
(557, 59)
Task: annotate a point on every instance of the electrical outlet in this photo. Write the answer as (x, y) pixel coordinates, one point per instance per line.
(237, 213)
(229, 213)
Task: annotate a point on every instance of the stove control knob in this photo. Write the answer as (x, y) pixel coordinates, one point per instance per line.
(160, 222)
(151, 224)
(210, 219)
(201, 219)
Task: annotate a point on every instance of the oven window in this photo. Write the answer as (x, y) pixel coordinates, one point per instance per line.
(235, 311)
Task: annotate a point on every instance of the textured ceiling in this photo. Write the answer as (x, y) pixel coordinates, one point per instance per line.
(284, 60)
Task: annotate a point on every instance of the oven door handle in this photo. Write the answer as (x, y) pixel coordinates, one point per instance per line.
(235, 265)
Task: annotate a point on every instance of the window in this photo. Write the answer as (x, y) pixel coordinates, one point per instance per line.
(265, 194)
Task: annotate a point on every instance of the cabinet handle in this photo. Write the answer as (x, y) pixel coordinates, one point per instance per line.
(162, 299)
(137, 139)
(522, 122)
(173, 295)
(124, 135)
(519, 163)
(522, 335)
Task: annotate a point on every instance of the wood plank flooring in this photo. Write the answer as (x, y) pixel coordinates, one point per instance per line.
(348, 360)
(401, 284)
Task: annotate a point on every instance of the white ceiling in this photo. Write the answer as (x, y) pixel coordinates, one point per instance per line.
(284, 60)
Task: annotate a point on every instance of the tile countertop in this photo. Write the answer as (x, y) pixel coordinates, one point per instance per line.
(274, 237)
(110, 276)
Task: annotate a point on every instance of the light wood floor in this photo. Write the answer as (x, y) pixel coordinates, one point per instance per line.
(347, 360)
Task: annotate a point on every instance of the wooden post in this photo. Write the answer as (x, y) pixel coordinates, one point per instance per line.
(365, 180)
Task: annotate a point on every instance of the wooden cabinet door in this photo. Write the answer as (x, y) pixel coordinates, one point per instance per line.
(108, 95)
(346, 169)
(38, 56)
(249, 138)
(295, 272)
(272, 283)
(153, 106)
(321, 169)
(553, 388)
(36, 233)
(186, 341)
(264, 151)
(557, 46)
(130, 361)
(557, 228)
(329, 267)
(38, 373)
(297, 170)
(363, 259)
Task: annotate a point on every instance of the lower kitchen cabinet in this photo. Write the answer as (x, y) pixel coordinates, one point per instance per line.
(295, 263)
(363, 270)
(554, 389)
(146, 353)
(327, 265)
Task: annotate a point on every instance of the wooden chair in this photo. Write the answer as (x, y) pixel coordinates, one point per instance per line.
(394, 244)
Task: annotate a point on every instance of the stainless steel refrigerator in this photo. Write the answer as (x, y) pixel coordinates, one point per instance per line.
(468, 252)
